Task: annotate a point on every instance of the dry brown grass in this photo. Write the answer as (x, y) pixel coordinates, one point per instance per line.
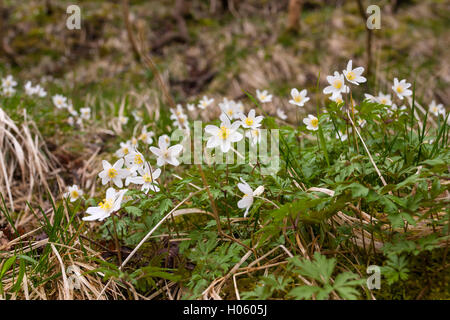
(25, 163)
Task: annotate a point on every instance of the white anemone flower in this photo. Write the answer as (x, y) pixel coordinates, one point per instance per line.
(263, 96)
(247, 200)
(224, 135)
(342, 136)
(362, 122)
(164, 139)
(85, 113)
(205, 102)
(110, 204)
(371, 98)
(299, 98)
(132, 173)
(134, 142)
(113, 173)
(29, 89)
(72, 110)
(401, 88)
(312, 123)
(354, 75)
(8, 91)
(176, 113)
(166, 154)
(123, 120)
(182, 122)
(230, 108)
(9, 82)
(147, 178)
(137, 115)
(40, 91)
(59, 101)
(134, 158)
(251, 121)
(337, 98)
(125, 148)
(281, 114)
(384, 99)
(394, 108)
(437, 109)
(337, 85)
(73, 193)
(146, 136)
(254, 135)
(239, 106)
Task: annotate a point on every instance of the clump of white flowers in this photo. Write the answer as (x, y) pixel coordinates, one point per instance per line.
(179, 118)
(36, 90)
(8, 86)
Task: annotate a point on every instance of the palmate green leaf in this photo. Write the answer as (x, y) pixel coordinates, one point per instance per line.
(345, 284)
(319, 269)
(312, 210)
(357, 190)
(304, 292)
(135, 211)
(395, 269)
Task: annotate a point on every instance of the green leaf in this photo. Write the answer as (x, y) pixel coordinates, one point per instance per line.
(304, 292)
(135, 211)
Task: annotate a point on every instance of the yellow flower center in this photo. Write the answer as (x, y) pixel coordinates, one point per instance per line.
(125, 150)
(298, 98)
(351, 75)
(106, 204)
(314, 122)
(399, 89)
(383, 101)
(147, 178)
(112, 173)
(337, 84)
(255, 133)
(143, 136)
(74, 194)
(263, 97)
(138, 159)
(224, 133)
(339, 100)
(249, 121)
(230, 112)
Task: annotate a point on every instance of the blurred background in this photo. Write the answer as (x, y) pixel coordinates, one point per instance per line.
(222, 47)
